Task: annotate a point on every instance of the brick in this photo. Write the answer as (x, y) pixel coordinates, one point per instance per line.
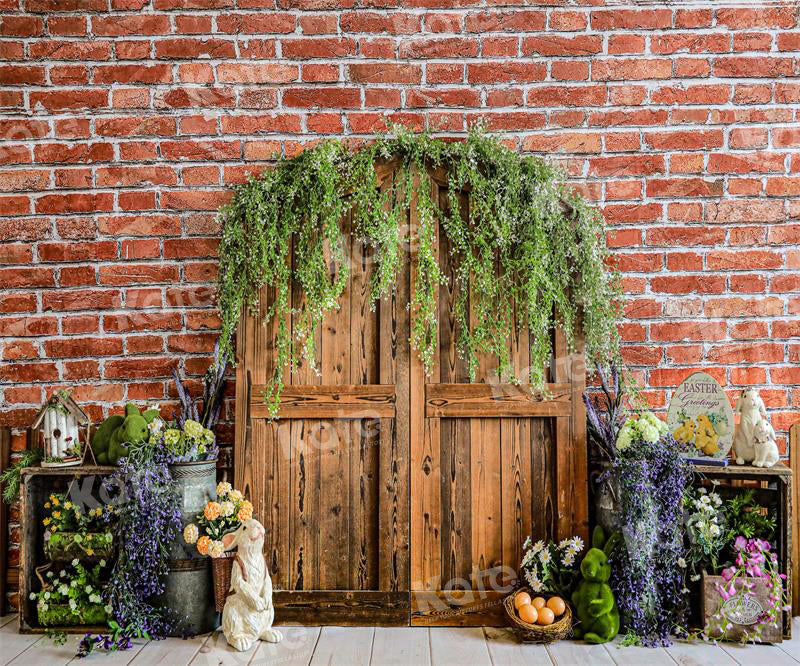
(744, 211)
(77, 347)
(631, 70)
(567, 96)
(685, 236)
(433, 97)
(684, 187)
(746, 19)
(139, 368)
(562, 46)
(511, 21)
(752, 67)
(120, 26)
(317, 47)
(29, 372)
(745, 163)
(385, 73)
(90, 299)
(507, 72)
(331, 98)
(241, 73)
(694, 140)
(136, 322)
(744, 260)
(567, 143)
(623, 19)
(744, 307)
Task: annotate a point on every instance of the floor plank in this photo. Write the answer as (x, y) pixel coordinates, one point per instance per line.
(506, 650)
(451, 646)
(568, 653)
(7, 618)
(343, 646)
(631, 655)
(45, 651)
(699, 653)
(170, 651)
(217, 652)
(398, 646)
(792, 646)
(12, 643)
(296, 648)
(767, 654)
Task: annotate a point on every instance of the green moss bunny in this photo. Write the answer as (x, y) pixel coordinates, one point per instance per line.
(598, 615)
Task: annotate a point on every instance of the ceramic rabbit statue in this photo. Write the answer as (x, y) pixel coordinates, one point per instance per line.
(766, 448)
(248, 612)
(751, 410)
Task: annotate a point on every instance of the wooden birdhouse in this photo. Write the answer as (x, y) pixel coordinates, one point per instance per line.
(61, 429)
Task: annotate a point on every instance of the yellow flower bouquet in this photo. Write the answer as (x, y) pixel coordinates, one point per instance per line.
(74, 531)
(221, 515)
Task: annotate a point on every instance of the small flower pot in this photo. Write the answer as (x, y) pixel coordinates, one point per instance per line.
(89, 547)
(742, 611)
(222, 568)
(61, 615)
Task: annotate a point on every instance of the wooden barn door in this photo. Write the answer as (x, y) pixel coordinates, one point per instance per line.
(329, 478)
(490, 464)
(390, 497)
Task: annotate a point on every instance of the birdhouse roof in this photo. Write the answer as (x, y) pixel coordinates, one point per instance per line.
(61, 399)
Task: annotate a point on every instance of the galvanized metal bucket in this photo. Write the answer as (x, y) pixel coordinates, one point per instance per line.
(189, 588)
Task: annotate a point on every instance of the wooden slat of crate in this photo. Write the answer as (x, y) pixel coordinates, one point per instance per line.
(794, 461)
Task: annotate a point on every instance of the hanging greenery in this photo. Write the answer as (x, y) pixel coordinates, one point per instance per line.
(529, 242)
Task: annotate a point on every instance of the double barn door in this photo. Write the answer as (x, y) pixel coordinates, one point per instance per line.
(392, 497)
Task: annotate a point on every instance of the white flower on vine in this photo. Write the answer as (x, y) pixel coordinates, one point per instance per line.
(681, 563)
(577, 544)
(544, 556)
(714, 530)
(537, 546)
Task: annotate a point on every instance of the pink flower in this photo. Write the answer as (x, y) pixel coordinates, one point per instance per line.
(740, 543)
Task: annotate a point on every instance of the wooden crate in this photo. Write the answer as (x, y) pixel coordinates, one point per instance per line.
(774, 486)
(36, 485)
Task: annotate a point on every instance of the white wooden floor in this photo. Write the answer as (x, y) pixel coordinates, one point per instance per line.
(354, 646)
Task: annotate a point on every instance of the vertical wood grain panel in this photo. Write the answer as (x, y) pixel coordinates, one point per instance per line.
(364, 433)
(336, 444)
(394, 462)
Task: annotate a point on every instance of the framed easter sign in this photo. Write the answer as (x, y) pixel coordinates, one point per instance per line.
(701, 418)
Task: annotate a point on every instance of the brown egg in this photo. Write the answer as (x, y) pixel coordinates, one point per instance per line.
(545, 616)
(521, 599)
(529, 614)
(557, 605)
(538, 603)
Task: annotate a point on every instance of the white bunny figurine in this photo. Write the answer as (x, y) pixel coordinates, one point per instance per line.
(751, 410)
(766, 449)
(248, 613)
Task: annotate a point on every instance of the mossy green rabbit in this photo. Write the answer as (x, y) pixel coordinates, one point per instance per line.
(598, 615)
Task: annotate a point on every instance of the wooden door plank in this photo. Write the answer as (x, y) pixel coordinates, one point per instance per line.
(699, 654)
(496, 400)
(794, 461)
(429, 549)
(515, 486)
(420, 494)
(278, 555)
(338, 401)
(578, 450)
(296, 648)
(336, 443)
(543, 497)
(450, 646)
(394, 454)
(486, 509)
(343, 645)
(455, 460)
(400, 646)
(364, 370)
(304, 509)
(506, 649)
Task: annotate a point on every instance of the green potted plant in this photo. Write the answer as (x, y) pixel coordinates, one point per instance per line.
(73, 596)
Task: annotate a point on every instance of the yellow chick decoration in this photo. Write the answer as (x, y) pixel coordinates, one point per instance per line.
(685, 434)
(706, 438)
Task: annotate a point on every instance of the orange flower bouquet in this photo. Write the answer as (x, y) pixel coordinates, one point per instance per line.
(222, 515)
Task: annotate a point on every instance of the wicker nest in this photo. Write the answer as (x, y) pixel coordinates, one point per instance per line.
(536, 633)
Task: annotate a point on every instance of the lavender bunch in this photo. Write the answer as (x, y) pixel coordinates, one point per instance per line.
(213, 390)
(149, 521)
(647, 571)
(605, 412)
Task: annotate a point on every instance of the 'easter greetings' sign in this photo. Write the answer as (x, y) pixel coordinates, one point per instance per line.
(700, 417)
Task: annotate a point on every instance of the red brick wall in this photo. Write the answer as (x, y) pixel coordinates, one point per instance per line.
(125, 121)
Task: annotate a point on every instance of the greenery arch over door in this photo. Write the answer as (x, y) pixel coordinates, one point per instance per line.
(527, 240)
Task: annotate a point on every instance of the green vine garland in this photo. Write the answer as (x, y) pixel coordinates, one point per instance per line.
(529, 242)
